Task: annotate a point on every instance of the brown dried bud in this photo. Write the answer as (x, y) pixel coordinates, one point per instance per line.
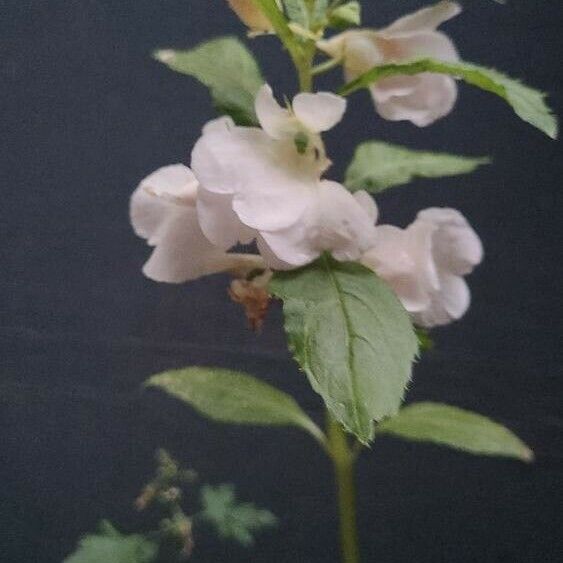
(251, 15)
(253, 296)
(145, 498)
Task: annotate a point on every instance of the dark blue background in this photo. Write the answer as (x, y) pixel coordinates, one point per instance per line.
(85, 115)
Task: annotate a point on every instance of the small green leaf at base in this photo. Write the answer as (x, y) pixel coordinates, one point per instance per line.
(346, 15)
(351, 336)
(227, 68)
(527, 103)
(233, 397)
(111, 546)
(457, 428)
(377, 166)
(233, 520)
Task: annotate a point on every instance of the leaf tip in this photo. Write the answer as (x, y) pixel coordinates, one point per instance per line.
(163, 55)
(553, 132)
(528, 455)
(155, 380)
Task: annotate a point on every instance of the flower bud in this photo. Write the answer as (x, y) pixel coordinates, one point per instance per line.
(251, 15)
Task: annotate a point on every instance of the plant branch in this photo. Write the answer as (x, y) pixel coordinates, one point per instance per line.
(344, 459)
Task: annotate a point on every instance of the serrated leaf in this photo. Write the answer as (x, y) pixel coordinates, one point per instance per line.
(347, 15)
(109, 545)
(527, 103)
(456, 428)
(233, 520)
(297, 12)
(227, 68)
(351, 336)
(377, 166)
(234, 397)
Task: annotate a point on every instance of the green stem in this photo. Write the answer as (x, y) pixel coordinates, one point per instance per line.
(301, 55)
(326, 66)
(336, 443)
(344, 458)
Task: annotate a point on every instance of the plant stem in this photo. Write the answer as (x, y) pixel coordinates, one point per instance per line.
(301, 54)
(344, 458)
(326, 66)
(336, 444)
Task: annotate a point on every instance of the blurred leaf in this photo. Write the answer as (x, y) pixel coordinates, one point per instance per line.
(227, 68)
(347, 15)
(456, 428)
(527, 103)
(233, 520)
(377, 166)
(234, 397)
(113, 547)
(297, 12)
(319, 10)
(351, 336)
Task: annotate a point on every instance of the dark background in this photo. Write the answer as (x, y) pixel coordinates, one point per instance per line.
(86, 114)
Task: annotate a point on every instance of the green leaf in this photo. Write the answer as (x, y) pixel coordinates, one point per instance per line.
(425, 342)
(233, 520)
(109, 545)
(233, 397)
(319, 10)
(456, 428)
(297, 12)
(347, 15)
(227, 68)
(527, 103)
(377, 166)
(351, 336)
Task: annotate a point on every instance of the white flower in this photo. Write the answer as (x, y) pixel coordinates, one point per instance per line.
(421, 98)
(163, 211)
(268, 182)
(425, 264)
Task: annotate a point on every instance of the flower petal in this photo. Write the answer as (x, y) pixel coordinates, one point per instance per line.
(368, 205)
(457, 248)
(334, 222)
(342, 226)
(448, 304)
(293, 245)
(147, 212)
(175, 182)
(433, 96)
(391, 260)
(271, 260)
(433, 44)
(319, 112)
(181, 250)
(426, 19)
(219, 222)
(276, 121)
(270, 181)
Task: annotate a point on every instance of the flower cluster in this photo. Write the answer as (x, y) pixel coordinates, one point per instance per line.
(265, 185)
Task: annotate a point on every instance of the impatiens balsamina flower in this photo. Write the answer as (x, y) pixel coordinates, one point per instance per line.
(251, 15)
(422, 98)
(266, 184)
(425, 264)
(163, 212)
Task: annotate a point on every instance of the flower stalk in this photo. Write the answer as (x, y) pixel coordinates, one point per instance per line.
(344, 457)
